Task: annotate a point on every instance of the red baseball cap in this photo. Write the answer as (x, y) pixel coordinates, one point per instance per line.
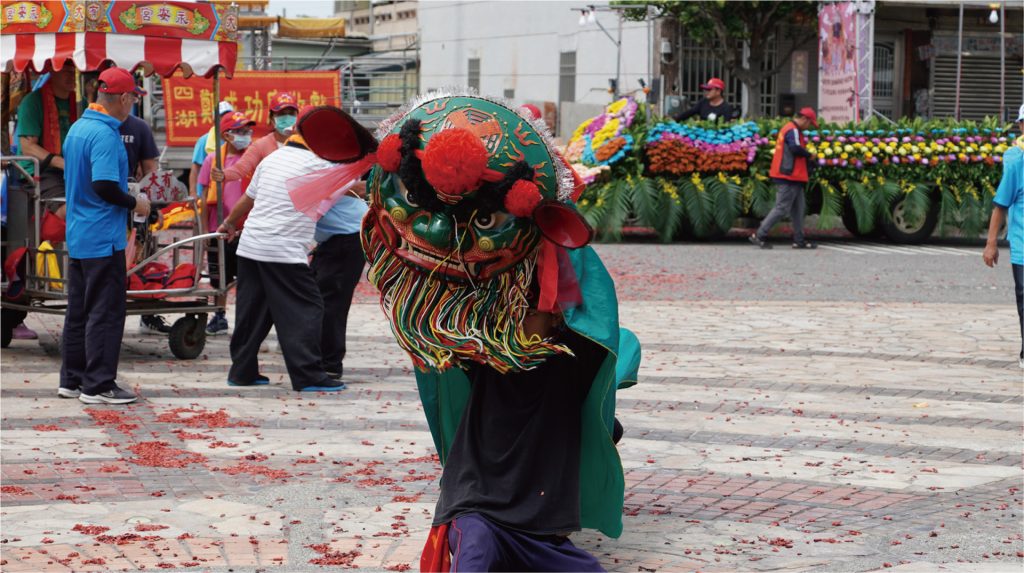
(284, 100)
(534, 110)
(234, 120)
(713, 83)
(119, 81)
(809, 114)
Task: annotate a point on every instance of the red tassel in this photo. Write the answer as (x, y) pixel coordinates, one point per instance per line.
(389, 153)
(314, 194)
(547, 277)
(454, 162)
(522, 198)
(437, 556)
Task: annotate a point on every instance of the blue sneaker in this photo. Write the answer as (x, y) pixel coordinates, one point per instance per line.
(217, 325)
(332, 388)
(259, 380)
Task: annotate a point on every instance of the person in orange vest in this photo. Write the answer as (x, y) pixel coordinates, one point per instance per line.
(789, 173)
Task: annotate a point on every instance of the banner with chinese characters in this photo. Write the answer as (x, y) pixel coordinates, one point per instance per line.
(189, 102)
(837, 60)
(192, 20)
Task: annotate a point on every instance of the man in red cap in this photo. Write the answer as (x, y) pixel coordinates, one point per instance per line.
(98, 204)
(236, 129)
(789, 172)
(713, 107)
(284, 110)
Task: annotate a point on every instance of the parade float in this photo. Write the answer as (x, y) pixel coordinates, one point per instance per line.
(907, 179)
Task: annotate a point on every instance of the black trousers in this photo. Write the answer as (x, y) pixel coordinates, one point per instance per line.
(94, 323)
(230, 262)
(1018, 289)
(284, 296)
(338, 263)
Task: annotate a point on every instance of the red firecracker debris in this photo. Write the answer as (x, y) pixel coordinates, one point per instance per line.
(48, 428)
(90, 529)
(113, 418)
(200, 418)
(161, 455)
(126, 538)
(330, 557)
(253, 469)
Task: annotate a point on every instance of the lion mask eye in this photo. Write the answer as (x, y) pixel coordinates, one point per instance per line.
(487, 221)
(404, 192)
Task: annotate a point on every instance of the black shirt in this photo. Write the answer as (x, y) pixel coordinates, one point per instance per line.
(722, 111)
(138, 142)
(515, 457)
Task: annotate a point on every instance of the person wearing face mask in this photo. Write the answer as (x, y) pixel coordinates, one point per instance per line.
(98, 204)
(236, 129)
(284, 110)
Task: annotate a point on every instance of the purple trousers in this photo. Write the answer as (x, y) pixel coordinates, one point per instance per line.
(478, 544)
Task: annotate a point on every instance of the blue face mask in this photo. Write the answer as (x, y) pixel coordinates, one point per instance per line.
(241, 141)
(283, 123)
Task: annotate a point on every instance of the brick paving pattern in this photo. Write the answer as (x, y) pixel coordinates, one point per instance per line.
(762, 436)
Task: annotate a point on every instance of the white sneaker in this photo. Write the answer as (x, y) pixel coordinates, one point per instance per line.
(114, 396)
(67, 393)
(1021, 362)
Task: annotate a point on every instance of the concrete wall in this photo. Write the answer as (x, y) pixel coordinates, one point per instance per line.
(519, 43)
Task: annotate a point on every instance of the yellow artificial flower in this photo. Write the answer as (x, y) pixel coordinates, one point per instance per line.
(579, 130)
(616, 107)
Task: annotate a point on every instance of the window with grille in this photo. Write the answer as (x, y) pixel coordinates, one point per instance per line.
(697, 64)
(473, 79)
(567, 76)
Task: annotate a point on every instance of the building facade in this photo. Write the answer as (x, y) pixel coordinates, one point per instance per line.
(547, 53)
(556, 53)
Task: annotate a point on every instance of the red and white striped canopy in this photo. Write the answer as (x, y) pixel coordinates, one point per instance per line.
(89, 50)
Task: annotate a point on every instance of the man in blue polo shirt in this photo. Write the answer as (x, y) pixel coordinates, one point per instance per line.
(1008, 205)
(98, 205)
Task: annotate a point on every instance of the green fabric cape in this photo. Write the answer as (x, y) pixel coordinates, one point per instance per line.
(602, 485)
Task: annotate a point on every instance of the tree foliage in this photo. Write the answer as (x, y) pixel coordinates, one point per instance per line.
(725, 27)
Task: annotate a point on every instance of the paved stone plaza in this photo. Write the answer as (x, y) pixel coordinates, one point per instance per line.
(767, 433)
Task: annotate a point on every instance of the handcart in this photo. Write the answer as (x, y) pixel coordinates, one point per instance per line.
(157, 37)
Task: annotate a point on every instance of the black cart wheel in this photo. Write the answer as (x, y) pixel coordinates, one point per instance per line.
(188, 336)
(9, 319)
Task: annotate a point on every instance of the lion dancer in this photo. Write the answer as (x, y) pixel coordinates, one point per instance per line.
(511, 321)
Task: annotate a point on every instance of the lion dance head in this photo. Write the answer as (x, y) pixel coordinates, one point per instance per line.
(465, 192)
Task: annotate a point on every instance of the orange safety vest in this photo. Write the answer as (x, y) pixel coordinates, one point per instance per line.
(799, 172)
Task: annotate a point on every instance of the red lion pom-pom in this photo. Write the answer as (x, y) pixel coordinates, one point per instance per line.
(389, 153)
(522, 198)
(454, 161)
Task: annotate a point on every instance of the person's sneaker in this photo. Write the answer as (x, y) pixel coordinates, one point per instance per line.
(805, 245)
(22, 332)
(259, 380)
(217, 325)
(759, 242)
(325, 386)
(153, 323)
(334, 374)
(116, 395)
(1021, 362)
(63, 392)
